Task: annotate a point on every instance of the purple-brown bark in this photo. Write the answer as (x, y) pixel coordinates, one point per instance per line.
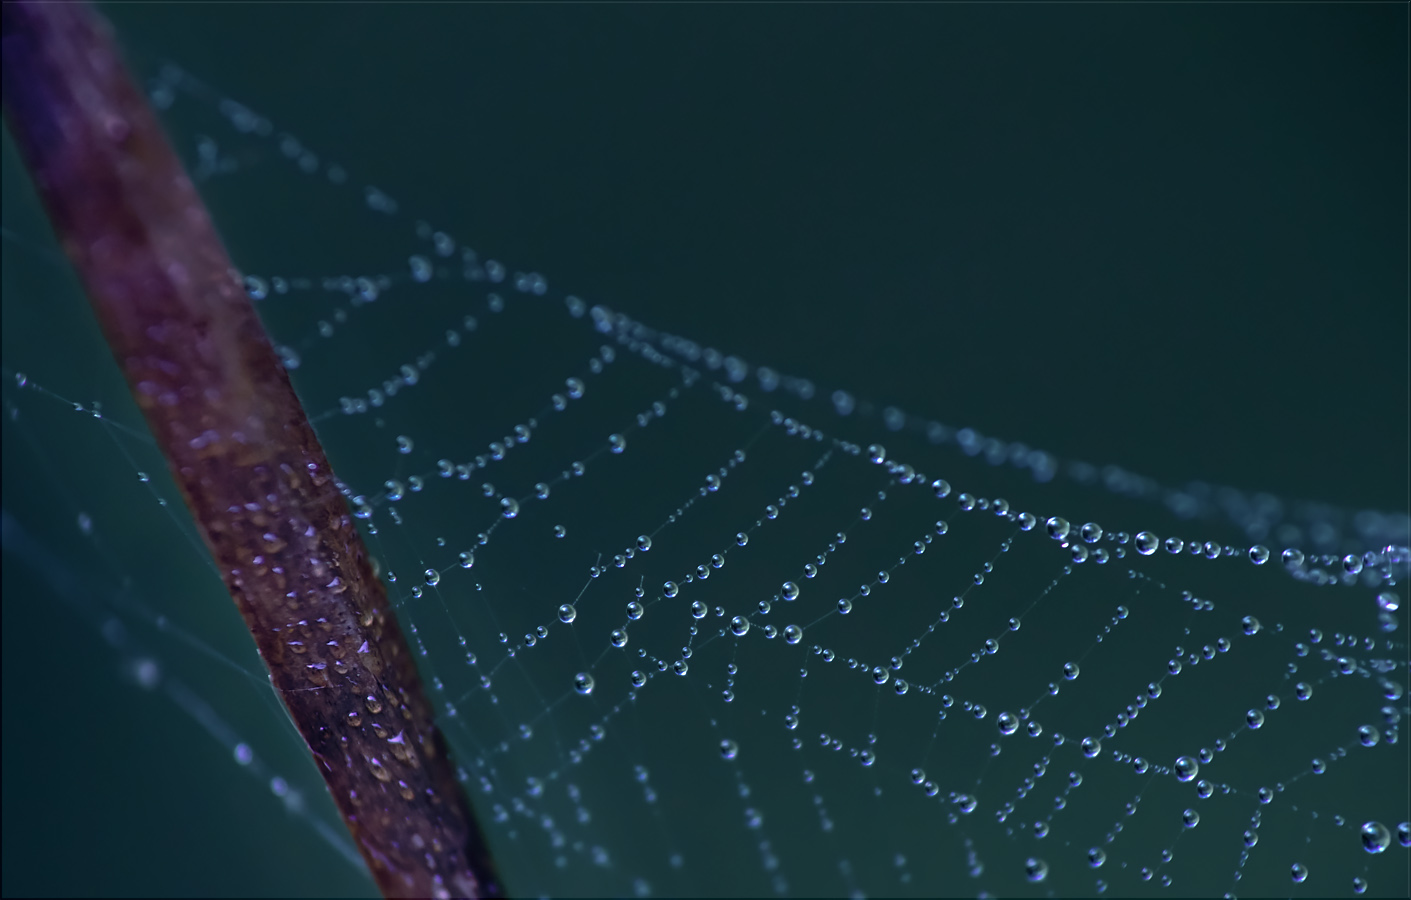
(247, 461)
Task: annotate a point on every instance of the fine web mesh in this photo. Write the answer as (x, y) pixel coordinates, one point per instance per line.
(694, 626)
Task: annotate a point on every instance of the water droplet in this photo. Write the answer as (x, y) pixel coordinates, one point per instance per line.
(1186, 768)
(1146, 543)
(583, 682)
(1035, 869)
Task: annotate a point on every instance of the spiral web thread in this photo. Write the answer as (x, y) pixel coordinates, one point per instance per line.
(694, 626)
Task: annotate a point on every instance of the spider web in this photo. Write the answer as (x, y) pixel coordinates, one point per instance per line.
(1002, 706)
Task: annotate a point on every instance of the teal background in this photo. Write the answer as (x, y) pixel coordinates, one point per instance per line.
(1172, 238)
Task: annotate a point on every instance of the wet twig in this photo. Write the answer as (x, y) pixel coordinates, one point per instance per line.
(221, 407)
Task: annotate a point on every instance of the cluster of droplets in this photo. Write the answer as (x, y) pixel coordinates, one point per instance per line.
(1257, 514)
(1185, 768)
(1086, 544)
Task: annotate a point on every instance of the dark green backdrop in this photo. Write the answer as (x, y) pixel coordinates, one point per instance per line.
(1168, 237)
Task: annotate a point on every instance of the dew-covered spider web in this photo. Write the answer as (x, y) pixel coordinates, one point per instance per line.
(698, 625)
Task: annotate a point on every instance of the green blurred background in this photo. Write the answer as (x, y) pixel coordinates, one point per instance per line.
(1168, 237)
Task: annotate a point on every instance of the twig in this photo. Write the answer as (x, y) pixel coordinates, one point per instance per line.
(220, 405)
